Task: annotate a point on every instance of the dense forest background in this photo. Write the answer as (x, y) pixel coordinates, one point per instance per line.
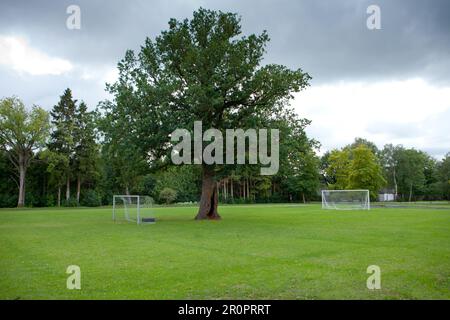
(77, 166)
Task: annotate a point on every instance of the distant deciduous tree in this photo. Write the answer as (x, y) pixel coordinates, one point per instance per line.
(444, 176)
(365, 171)
(389, 159)
(21, 132)
(299, 166)
(361, 141)
(411, 174)
(338, 168)
(355, 168)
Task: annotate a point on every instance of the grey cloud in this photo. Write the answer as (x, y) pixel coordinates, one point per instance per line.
(329, 39)
(395, 130)
(45, 90)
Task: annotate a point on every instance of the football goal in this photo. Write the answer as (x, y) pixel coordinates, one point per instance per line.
(133, 208)
(346, 199)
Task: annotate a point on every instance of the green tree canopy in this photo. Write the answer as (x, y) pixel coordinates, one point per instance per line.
(444, 176)
(411, 172)
(365, 171)
(201, 69)
(62, 143)
(338, 168)
(86, 150)
(355, 168)
(21, 132)
(361, 141)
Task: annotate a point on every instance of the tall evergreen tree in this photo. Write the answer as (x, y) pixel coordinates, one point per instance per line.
(62, 137)
(85, 147)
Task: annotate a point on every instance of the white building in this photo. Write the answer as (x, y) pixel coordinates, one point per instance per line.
(386, 195)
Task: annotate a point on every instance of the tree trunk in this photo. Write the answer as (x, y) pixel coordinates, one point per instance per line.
(245, 189)
(59, 196)
(395, 186)
(209, 198)
(22, 173)
(78, 190)
(248, 189)
(231, 190)
(410, 192)
(218, 190)
(303, 195)
(225, 189)
(68, 189)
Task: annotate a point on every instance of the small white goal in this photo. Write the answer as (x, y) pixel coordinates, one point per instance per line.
(346, 199)
(133, 208)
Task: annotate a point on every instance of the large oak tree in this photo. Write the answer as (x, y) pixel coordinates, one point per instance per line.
(202, 69)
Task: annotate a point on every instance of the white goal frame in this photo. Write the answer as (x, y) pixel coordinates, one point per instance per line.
(138, 203)
(365, 205)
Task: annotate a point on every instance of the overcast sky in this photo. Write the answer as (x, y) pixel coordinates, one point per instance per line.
(390, 85)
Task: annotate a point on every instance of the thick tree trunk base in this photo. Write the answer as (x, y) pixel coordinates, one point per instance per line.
(213, 216)
(209, 199)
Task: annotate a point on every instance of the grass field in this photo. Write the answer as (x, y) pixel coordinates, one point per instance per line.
(255, 252)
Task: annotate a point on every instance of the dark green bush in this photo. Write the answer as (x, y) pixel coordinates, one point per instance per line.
(90, 198)
(8, 201)
(72, 202)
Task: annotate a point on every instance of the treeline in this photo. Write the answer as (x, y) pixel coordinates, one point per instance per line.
(407, 174)
(75, 157)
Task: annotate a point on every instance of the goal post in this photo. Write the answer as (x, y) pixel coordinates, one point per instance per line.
(133, 208)
(346, 199)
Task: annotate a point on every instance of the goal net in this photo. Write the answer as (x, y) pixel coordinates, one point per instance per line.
(133, 208)
(346, 199)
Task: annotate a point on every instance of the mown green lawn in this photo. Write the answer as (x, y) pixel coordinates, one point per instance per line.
(255, 252)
